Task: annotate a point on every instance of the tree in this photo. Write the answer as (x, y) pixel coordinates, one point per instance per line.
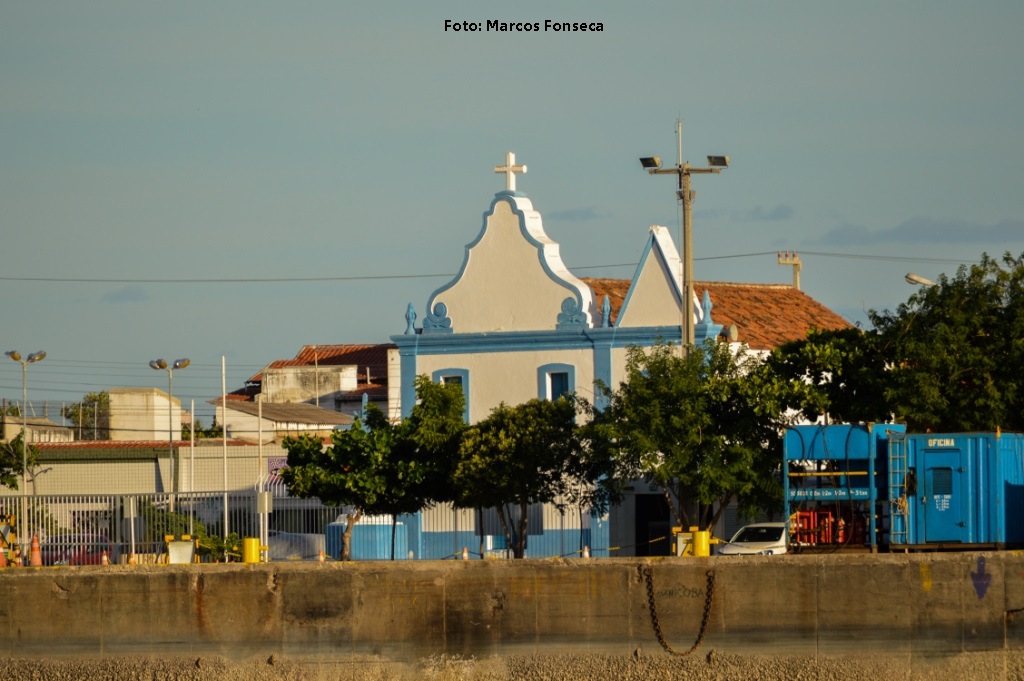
(214, 431)
(840, 374)
(12, 459)
(706, 429)
(377, 467)
(517, 456)
(91, 416)
(949, 359)
(955, 351)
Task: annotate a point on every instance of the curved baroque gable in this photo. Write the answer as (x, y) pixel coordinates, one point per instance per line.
(512, 278)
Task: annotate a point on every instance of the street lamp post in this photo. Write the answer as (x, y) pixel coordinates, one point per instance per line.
(683, 170)
(162, 365)
(918, 280)
(32, 358)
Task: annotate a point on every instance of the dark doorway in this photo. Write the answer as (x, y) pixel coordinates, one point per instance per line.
(653, 526)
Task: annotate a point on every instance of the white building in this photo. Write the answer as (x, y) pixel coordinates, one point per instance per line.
(516, 324)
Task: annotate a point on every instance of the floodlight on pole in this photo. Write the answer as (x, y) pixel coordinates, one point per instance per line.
(918, 280)
(31, 359)
(652, 164)
(162, 365)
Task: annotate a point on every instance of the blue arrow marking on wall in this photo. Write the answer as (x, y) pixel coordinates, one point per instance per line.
(981, 578)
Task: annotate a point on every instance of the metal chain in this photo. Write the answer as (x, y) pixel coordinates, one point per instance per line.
(647, 575)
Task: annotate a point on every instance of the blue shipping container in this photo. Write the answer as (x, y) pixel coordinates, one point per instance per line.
(961, 488)
(856, 454)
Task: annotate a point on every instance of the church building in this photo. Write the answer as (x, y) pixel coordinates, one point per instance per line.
(554, 332)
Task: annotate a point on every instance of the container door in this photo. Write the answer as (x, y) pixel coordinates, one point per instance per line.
(941, 499)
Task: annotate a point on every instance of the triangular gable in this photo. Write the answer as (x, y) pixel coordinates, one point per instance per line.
(656, 289)
(512, 279)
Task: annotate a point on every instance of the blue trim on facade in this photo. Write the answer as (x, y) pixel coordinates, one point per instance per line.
(602, 371)
(373, 542)
(407, 387)
(463, 375)
(508, 197)
(437, 320)
(553, 368)
(571, 317)
(518, 341)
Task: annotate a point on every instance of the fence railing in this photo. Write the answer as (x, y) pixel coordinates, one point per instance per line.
(81, 528)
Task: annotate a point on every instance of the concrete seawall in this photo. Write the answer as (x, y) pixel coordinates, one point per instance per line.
(901, 607)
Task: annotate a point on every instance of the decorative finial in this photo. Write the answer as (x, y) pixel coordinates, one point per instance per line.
(510, 169)
(410, 320)
(706, 307)
(606, 312)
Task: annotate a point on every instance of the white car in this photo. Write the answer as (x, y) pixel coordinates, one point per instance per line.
(759, 539)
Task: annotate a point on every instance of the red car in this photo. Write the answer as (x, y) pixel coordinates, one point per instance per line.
(77, 549)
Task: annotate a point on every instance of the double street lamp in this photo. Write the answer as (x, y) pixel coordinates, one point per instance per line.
(683, 170)
(162, 365)
(31, 359)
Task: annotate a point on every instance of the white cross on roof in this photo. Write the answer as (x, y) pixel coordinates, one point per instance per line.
(510, 169)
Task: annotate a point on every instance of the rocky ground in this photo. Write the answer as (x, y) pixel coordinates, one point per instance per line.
(703, 665)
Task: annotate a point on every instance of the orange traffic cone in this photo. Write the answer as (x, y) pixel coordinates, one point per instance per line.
(3, 558)
(322, 558)
(465, 553)
(35, 558)
(106, 559)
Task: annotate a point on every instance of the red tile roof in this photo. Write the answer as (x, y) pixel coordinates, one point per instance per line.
(766, 315)
(362, 356)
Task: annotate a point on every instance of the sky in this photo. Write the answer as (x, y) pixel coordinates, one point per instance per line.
(237, 179)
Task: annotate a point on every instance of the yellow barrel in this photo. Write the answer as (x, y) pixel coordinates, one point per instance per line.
(250, 550)
(701, 543)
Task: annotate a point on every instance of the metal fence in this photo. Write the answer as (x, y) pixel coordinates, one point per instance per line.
(136, 526)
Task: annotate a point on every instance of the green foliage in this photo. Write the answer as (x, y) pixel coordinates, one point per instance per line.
(12, 458)
(378, 467)
(161, 523)
(529, 453)
(214, 431)
(91, 417)
(955, 350)
(840, 374)
(215, 548)
(704, 428)
(950, 359)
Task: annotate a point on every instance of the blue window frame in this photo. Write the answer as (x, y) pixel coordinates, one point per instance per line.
(555, 380)
(460, 377)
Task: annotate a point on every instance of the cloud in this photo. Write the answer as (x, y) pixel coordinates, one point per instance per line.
(929, 230)
(578, 214)
(128, 294)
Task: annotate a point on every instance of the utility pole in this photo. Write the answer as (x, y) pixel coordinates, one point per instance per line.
(683, 170)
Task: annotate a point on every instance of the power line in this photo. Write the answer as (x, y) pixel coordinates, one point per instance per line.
(379, 277)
